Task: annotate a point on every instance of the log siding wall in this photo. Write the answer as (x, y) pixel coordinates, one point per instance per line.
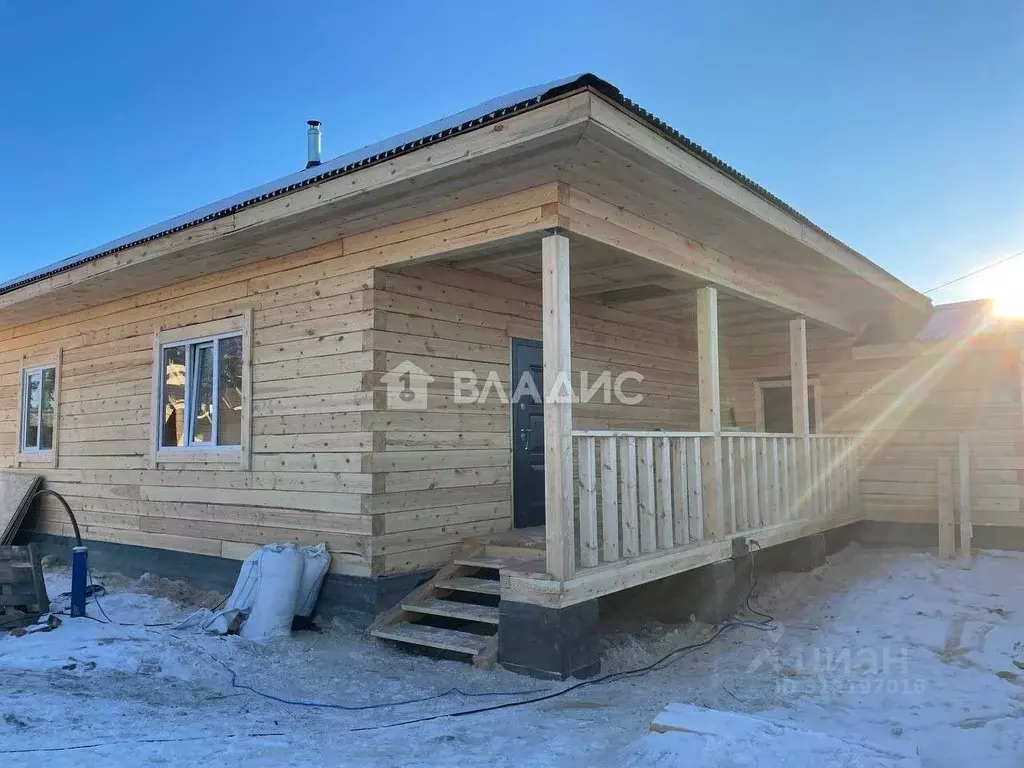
(912, 408)
(311, 374)
(445, 472)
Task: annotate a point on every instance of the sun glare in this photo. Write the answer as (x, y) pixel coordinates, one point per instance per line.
(1005, 286)
(1009, 303)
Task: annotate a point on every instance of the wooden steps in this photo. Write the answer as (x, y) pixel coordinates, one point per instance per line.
(435, 637)
(457, 610)
(500, 563)
(471, 584)
(470, 612)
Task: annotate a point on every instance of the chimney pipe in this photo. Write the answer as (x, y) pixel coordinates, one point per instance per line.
(313, 143)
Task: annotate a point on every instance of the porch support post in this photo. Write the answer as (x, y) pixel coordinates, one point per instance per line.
(710, 402)
(801, 410)
(558, 491)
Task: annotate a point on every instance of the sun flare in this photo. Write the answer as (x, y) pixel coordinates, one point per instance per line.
(1009, 303)
(1005, 286)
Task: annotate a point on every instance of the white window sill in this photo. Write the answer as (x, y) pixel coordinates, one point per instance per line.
(199, 456)
(36, 457)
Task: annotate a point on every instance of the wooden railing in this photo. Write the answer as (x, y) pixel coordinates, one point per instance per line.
(639, 493)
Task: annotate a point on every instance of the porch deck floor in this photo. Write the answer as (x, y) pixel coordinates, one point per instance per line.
(525, 538)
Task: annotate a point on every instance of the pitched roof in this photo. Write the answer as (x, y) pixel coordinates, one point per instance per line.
(474, 117)
(956, 320)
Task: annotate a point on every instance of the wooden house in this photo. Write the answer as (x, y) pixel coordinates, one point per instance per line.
(324, 358)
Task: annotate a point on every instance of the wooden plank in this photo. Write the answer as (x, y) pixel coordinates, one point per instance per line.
(801, 410)
(434, 637)
(484, 614)
(630, 511)
(609, 499)
(587, 494)
(764, 493)
(710, 412)
(753, 511)
(646, 495)
(470, 584)
(681, 492)
(707, 360)
(732, 476)
(775, 484)
(663, 483)
(945, 492)
(38, 582)
(695, 466)
(788, 459)
(964, 492)
(16, 492)
(560, 528)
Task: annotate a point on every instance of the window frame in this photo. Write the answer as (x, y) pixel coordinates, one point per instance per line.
(193, 337)
(813, 382)
(26, 454)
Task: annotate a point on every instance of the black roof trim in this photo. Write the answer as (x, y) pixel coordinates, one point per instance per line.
(560, 88)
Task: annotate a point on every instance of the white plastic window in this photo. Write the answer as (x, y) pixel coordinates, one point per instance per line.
(201, 393)
(38, 406)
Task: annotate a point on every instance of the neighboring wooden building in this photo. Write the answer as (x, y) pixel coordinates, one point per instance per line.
(297, 363)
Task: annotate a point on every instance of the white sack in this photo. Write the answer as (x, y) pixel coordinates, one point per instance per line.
(279, 577)
(244, 594)
(316, 563)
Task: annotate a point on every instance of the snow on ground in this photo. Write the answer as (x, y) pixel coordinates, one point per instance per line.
(879, 646)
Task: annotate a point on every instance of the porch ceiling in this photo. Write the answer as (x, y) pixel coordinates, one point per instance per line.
(608, 276)
(633, 169)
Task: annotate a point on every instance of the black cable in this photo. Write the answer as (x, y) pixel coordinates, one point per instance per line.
(666, 660)
(977, 271)
(673, 656)
(754, 581)
(67, 508)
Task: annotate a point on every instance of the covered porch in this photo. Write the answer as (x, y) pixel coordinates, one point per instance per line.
(636, 500)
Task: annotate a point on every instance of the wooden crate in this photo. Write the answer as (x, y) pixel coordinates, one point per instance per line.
(22, 589)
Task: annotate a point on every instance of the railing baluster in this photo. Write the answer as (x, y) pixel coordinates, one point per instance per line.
(587, 493)
(841, 476)
(609, 499)
(753, 504)
(784, 502)
(830, 478)
(794, 478)
(776, 490)
(730, 473)
(645, 484)
(663, 494)
(696, 491)
(638, 493)
(628, 496)
(764, 493)
(681, 492)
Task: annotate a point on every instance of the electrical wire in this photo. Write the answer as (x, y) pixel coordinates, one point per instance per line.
(977, 271)
(767, 623)
(665, 661)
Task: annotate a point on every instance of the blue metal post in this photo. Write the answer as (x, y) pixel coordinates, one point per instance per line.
(79, 574)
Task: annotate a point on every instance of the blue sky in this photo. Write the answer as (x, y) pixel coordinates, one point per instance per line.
(897, 126)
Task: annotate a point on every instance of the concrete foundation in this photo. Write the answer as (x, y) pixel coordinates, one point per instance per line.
(549, 643)
(353, 598)
(878, 533)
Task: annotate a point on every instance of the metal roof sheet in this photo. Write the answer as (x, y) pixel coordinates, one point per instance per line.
(957, 320)
(482, 114)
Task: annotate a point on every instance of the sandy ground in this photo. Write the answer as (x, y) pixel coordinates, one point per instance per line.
(877, 645)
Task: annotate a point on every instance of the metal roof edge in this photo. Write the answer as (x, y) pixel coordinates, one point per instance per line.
(431, 133)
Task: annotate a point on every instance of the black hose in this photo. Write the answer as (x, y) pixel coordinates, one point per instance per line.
(67, 508)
